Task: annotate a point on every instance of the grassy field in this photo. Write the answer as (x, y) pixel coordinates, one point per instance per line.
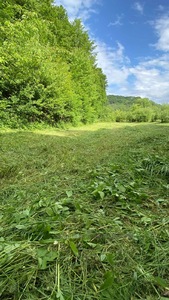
(84, 213)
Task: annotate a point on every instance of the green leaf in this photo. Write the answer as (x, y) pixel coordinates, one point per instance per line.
(101, 194)
(10, 247)
(160, 281)
(121, 188)
(74, 248)
(49, 211)
(69, 193)
(103, 257)
(60, 295)
(110, 258)
(51, 256)
(20, 227)
(108, 282)
(26, 212)
(41, 252)
(45, 256)
(146, 220)
(92, 245)
(42, 263)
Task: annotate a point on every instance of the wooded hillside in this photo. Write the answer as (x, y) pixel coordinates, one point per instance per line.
(48, 68)
(126, 102)
(135, 109)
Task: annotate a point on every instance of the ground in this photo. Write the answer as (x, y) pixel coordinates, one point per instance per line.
(84, 212)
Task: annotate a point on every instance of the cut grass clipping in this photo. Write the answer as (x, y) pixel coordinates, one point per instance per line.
(84, 213)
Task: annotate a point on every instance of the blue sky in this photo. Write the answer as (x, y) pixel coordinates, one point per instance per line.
(132, 43)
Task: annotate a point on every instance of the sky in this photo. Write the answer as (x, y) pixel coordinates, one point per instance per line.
(132, 43)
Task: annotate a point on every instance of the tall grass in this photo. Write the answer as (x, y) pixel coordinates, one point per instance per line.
(84, 213)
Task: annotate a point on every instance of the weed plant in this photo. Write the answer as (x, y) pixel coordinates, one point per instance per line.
(84, 213)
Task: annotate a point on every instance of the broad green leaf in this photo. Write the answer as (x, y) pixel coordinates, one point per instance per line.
(92, 245)
(42, 263)
(108, 282)
(121, 188)
(41, 252)
(45, 256)
(51, 255)
(26, 212)
(49, 211)
(74, 248)
(110, 258)
(21, 226)
(69, 193)
(102, 257)
(101, 194)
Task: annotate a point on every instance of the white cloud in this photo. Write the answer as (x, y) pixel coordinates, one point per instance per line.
(117, 22)
(139, 7)
(162, 29)
(149, 78)
(113, 62)
(79, 8)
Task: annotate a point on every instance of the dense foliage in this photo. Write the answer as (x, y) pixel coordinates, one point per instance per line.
(48, 70)
(135, 109)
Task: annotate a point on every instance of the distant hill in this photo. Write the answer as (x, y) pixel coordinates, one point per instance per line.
(122, 102)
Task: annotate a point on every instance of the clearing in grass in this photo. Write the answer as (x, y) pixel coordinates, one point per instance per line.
(84, 213)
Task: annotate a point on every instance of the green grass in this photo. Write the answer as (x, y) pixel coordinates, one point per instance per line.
(84, 213)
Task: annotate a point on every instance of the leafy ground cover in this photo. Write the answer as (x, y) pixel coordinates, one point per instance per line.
(84, 213)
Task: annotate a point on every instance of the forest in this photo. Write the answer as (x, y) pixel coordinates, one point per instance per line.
(134, 109)
(48, 70)
(49, 73)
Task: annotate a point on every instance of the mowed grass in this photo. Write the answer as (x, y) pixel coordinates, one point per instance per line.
(84, 213)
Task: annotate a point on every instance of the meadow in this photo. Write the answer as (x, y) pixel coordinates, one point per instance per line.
(84, 213)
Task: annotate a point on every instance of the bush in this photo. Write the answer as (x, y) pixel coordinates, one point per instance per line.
(164, 113)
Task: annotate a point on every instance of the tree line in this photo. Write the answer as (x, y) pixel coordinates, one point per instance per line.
(134, 109)
(48, 70)
(49, 74)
